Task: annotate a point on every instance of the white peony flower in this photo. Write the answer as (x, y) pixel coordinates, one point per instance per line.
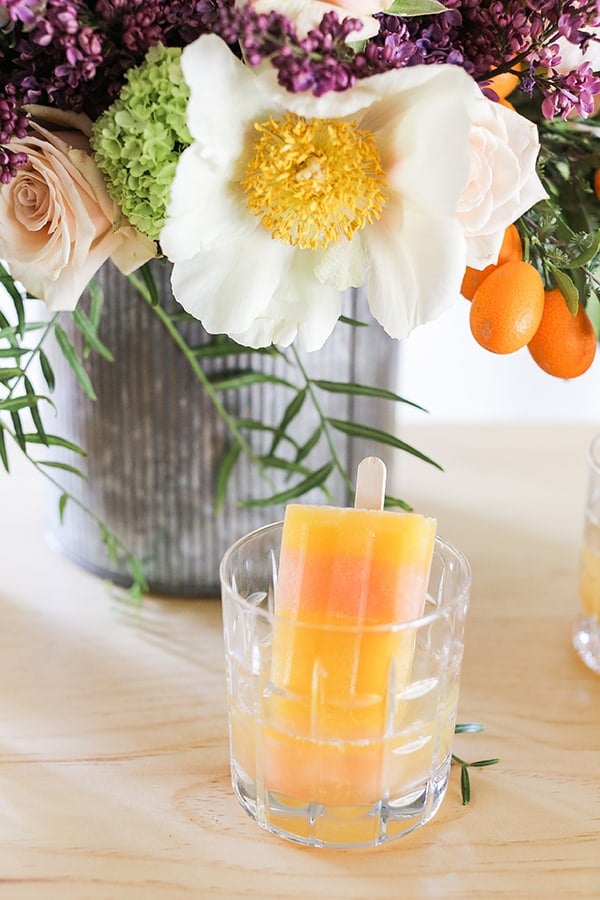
(284, 200)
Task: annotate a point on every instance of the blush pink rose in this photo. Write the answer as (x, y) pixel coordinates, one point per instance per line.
(58, 224)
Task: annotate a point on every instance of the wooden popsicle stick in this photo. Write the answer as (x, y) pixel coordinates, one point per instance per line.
(370, 483)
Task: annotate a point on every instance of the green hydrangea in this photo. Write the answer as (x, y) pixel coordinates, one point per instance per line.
(140, 137)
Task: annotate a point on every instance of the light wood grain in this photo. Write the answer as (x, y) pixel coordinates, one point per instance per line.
(114, 778)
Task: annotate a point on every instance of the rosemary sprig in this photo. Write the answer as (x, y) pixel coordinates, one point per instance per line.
(465, 778)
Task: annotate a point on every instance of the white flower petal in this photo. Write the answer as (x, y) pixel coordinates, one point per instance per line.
(422, 134)
(342, 265)
(229, 288)
(313, 308)
(224, 95)
(416, 268)
(205, 209)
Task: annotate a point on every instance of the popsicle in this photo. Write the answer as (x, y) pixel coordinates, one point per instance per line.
(334, 673)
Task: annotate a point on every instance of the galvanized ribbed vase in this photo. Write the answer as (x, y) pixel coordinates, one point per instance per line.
(154, 440)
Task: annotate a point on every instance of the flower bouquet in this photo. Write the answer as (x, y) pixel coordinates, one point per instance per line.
(274, 154)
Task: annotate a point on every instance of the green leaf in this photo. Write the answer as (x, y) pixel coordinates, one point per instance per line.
(13, 352)
(20, 311)
(18, 427)
(313, 481)
(96, 303)
(465, 785)
(150, 283)
(415, 8)
(3, 453)
(53, 440)
(484, 762)
(135, 567)
(54, 464)
(394, 502)
(9, 285)
(468, 728)
(286, 465)
(140, 286)
(12, 404)
(47, 370)
(290, 413)
(10, 372)
(313, 440)
(34, 411)
(88, 330)
(225, 470)
(219, 349)
(354, 429)
(592, 308)
(8, 331)
(71, 357)
(108, 539)
(364, 390)
(257, 425)
(356, 323)
(246, 379)
(565, 285)
(586, 255)
(62, 502)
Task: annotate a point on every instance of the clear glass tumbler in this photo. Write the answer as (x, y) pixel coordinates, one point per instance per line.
(586, 629)
(340, 735)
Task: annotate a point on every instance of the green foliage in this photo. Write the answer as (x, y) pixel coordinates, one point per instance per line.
(561, 235)
(415, 8)
(139, 138)
(21, 420)
(465, 778)
(285, 461)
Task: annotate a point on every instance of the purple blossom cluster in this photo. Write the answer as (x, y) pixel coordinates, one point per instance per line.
(73, 54)
(12, 124)
(482, 36)
(486, 36)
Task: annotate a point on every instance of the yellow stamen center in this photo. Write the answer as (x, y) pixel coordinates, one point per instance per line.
(313, 181)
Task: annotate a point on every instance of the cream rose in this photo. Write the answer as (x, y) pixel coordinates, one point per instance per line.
(58, 223)
(503, 182)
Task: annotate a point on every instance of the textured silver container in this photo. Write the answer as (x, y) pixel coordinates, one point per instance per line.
(154, 441)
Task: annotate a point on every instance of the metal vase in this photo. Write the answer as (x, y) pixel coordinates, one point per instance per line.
(154, 441)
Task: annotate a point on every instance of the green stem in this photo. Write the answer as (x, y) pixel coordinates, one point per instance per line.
(32, 355)
(326, 430)
(203, 379)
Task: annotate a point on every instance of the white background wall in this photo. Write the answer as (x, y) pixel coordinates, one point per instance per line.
(443, 369)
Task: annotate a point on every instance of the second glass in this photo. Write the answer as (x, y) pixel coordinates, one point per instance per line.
(586, 630)
(340, 736)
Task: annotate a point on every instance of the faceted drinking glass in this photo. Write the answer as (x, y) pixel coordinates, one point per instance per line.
(339, 755)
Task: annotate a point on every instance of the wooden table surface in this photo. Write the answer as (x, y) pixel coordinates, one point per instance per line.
(114, 777)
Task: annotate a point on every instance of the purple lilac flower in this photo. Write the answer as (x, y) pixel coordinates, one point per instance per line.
(25, 11)
(12, 124)
(485, 35)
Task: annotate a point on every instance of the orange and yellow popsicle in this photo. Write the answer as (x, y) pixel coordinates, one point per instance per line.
(342, 573)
